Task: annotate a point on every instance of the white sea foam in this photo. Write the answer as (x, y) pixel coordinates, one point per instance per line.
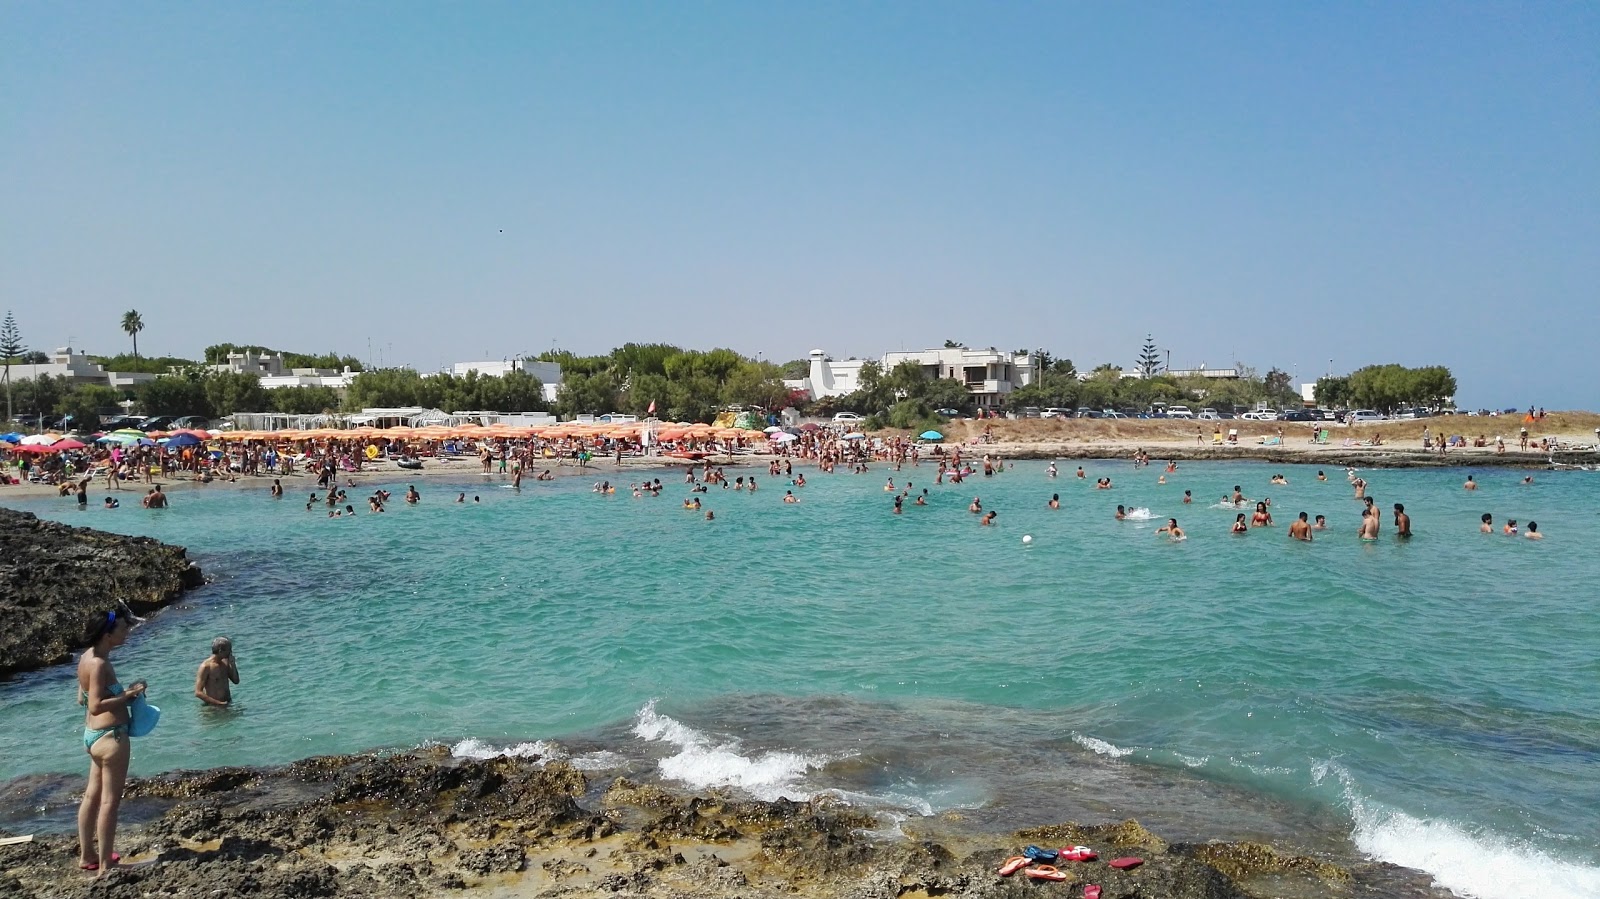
(472, 748)
(1101, 747)
(1138, 515)
(1469, 861)
(702, 761)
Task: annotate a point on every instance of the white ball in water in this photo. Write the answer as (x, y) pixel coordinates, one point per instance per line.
(1027, 538)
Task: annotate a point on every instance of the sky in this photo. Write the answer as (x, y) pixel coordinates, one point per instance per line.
(1308, 186)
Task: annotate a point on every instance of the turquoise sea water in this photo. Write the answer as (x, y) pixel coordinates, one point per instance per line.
(1430, 703)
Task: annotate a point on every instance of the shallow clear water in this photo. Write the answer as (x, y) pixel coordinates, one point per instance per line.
(1430, 701)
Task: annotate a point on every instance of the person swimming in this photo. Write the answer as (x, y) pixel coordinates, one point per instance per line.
(1055, 501)
(1172, 530)
(1487, 524)
(1121, 513)
(1239, 527)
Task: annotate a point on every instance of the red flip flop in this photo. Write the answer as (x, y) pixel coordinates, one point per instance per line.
(1078, 854)
(1013, 864)
(96, 865)
(1092, 891)
(1126, 863)
(1045, 872)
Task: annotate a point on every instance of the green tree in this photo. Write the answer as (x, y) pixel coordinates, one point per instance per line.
(587, 394)
(1149, 362)
(385, 388)
(175, 394)
(159, 365)
(1332, 393)
(303, 400)
(11, 348)
(40, 396)
(85, 402)
(132, 324)
(229, 392)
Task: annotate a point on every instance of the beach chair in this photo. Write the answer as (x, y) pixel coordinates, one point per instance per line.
(1321, 437)
(1233, 435)
(1216, 438)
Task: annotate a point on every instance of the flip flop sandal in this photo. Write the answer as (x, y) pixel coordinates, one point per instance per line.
(1077, 854)
(1126, 863)
(1092, 891)
(1046, 872)
(1034, 853)
(95, 866)
(1013, 864)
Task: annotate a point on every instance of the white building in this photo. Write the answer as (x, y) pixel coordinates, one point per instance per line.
(79, 369)
(548, 373)
(269, 367)
(829, 378)
(989, 375)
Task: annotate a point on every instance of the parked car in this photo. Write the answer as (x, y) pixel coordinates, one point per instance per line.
(1298, 415)
(1085, 412)
(1179, 412)
(1054, 412)
(199, 422)
(158, 423)
(1360, 416)
(843, 418)
(948, 413)
(121, 422)
(1210, 414)
(1111, 413)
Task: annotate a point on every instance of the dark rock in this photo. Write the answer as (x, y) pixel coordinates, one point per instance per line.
(55, 579)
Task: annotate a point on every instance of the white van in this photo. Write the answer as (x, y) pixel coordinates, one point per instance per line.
(1179, 412)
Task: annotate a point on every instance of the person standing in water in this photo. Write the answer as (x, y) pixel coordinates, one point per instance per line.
(1402, 521)
(1300, 529)
(105, 739)
(217, 672)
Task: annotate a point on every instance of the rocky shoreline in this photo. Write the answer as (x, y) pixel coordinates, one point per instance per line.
(55, 578)
(423, 823)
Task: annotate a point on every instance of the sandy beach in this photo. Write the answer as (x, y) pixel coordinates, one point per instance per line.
(1401, 446)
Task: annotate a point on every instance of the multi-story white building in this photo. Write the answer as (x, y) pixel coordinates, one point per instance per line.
(989, 375)
(78, 368)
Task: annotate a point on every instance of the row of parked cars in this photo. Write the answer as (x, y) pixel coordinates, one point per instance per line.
(122, 422)
(1354, 416)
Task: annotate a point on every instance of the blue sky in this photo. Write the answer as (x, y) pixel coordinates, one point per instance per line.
(1281, 184)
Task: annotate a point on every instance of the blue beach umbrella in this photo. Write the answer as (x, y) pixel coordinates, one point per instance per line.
(932, 435)
(12, 437)
(182, 440)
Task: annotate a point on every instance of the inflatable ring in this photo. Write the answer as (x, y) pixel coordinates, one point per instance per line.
(1045, 872)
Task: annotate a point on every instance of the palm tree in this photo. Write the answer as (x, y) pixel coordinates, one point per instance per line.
(132, 324)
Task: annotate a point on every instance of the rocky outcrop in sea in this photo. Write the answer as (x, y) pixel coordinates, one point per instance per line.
(424, 823)
(55, 578)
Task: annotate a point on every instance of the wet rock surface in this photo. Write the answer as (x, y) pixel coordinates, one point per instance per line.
(425, 824)
(55, 578)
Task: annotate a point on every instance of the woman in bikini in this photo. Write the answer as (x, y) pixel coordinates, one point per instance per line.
(1262, 518)
(105, 739)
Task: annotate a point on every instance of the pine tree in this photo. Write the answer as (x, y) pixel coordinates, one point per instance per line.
(1149, 359)
(11, 347)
